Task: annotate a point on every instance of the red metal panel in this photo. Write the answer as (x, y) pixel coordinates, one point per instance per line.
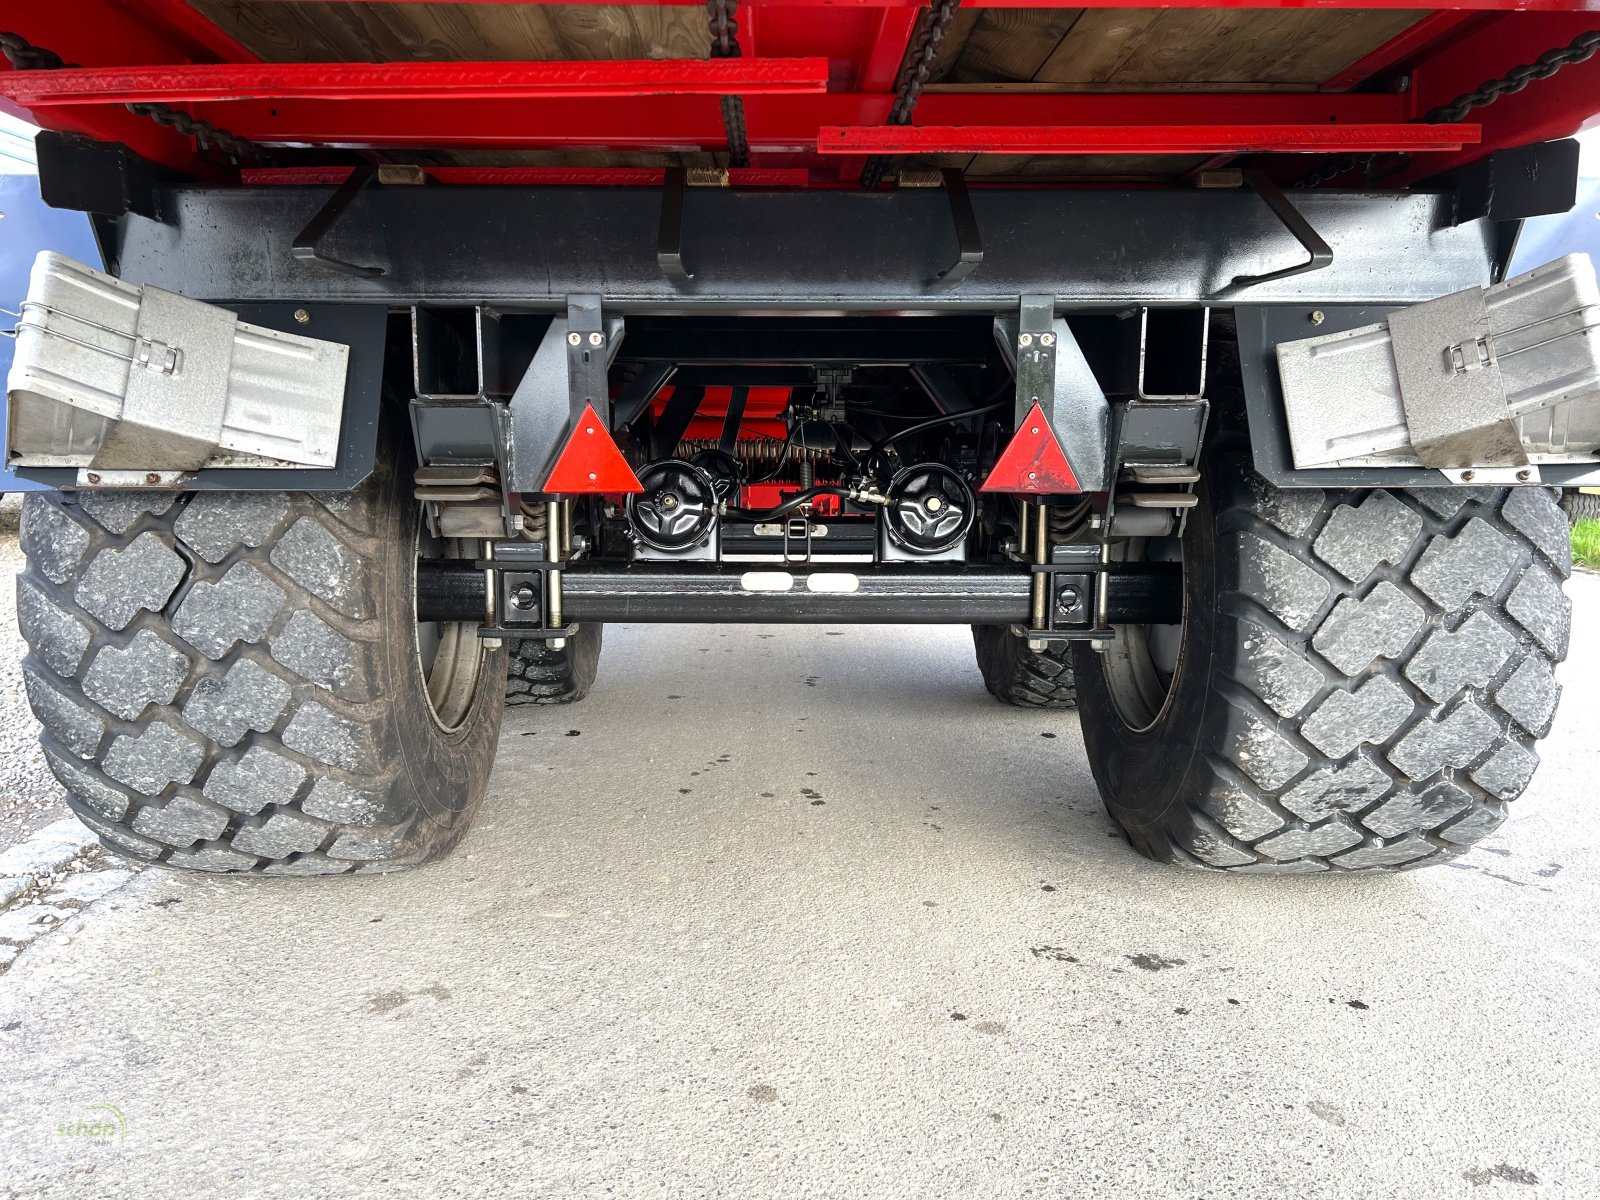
(424, 81)
(1550, 108)
(759, 177)
(1140, 139)
(96, 33)
(777, 124)
(189, 25)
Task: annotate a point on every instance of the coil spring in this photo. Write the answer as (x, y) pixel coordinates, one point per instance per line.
(751, 451)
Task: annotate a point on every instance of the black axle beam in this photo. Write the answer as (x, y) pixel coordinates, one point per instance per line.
(1136, 594)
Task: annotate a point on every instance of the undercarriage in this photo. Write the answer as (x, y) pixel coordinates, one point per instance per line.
(1256, 473)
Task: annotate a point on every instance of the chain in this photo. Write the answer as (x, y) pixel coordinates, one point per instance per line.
(202, 131)
(915, 70)
(25, 56)
(725, 44)
(1581, 49)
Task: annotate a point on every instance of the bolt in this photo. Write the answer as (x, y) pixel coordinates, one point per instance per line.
(1524, 475)
(1468, 476)
(1033, 474)
(1067, 599)
(1317, 316)
(593, 477)
(525, 597)
(152, 477)
(596, 339)
(934, 504)
(669, 501)
(574, 339)
(1025, 339)
(302, 317)
(1037, 645)
(492, 643)
(93, 478)
(1047, 339)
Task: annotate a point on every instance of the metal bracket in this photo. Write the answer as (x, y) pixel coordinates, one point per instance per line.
(588, 355)
(1036, 357)
(669, 235)
(1321, 254)
(969, 240)
(307, 245)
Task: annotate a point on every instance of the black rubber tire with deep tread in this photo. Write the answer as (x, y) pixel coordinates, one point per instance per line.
(1580, 506)
(230, 682)
(538, 674)
(1363, 678)
(1027, 678)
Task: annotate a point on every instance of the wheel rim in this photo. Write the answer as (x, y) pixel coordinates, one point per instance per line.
(449, 653)
(1142, 663)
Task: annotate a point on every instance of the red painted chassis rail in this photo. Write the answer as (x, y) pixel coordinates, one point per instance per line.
(1142, 139)
(793, 52)
(216, 82)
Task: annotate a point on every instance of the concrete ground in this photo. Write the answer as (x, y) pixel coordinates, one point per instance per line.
(29, 797)
(853, 930)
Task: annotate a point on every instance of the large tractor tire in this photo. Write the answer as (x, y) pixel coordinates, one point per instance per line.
(1359, 682)
(1580, 506)
(541, 674)
(1026, 678)
(237, 682)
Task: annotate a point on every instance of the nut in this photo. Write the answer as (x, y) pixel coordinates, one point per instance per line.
(1047, 339)
(302, 317)
(1468, 476)
(1318, 316)
(596, 339)
(1524, 475)
(1025, 339)
(574, 339)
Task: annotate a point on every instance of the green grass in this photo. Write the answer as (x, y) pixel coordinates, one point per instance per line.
(1586, 544)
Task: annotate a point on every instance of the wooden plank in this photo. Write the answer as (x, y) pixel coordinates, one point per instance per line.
(1220, 49)
(397, 32)
(1011, 44)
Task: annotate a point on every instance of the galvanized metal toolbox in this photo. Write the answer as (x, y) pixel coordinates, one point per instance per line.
(1498, 379)
(121, 378)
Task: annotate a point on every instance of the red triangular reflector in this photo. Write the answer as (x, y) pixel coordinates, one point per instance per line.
(590, 462)
(1033, 461)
